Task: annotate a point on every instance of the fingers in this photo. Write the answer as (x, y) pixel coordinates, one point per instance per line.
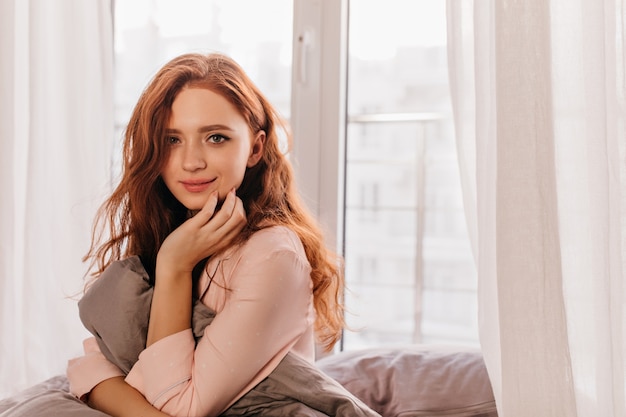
(227, 210)
(208, 214)
(206, 233)
(207, 211)
(235, 210)
(237, 219)
(228, 205)
(218, 223)
(225, 225)
(231, 215)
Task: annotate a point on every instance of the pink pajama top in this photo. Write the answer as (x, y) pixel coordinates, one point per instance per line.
(262, 294)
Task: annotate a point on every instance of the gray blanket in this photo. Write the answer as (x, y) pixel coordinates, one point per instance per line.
(116, 311)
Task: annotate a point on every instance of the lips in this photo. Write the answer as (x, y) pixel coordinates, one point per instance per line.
(196, 185)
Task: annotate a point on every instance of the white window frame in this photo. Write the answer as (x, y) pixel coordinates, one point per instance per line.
(318, 109)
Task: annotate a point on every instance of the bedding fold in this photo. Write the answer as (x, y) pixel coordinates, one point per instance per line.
(116, 311)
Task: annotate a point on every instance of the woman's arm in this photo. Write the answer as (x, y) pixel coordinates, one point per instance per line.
(116, 398)
(199, 237)
(101, 385)
(170, 311)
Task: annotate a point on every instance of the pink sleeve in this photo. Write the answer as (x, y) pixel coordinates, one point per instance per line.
(268, 309)
(85, 372)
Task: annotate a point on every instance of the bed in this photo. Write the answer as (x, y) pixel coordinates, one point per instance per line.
(398, 381)
(412, 381)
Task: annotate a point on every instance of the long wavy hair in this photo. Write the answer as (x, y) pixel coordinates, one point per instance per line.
(141, 212)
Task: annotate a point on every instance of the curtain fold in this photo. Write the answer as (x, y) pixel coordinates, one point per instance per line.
(56, 126)
(539, 93)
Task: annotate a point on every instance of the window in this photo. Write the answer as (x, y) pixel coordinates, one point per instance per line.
(395, 202)
(409, 264)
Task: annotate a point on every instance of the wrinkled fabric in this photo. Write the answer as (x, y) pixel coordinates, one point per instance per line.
(295, 387)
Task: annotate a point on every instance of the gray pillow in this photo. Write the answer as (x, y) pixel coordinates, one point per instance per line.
(416, 381)
(116, 310)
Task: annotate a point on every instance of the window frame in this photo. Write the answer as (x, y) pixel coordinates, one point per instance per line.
(318, 109)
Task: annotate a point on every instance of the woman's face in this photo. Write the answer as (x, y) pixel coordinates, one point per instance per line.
(210, 146)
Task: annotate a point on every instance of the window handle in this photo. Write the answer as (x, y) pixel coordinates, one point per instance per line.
(305, 41)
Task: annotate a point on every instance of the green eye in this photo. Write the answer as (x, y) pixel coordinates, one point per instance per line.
(217, 138)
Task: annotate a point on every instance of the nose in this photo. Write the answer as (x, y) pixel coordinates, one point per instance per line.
(193, 158)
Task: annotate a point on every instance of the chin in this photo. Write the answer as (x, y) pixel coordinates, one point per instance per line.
(193, 206)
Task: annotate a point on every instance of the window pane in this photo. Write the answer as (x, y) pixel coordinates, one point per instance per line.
(409, 264)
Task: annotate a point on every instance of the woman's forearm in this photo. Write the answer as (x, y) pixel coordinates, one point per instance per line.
(201, 236)
(171, 307)
(116, 398)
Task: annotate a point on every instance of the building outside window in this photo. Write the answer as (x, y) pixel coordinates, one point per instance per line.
(409, 263)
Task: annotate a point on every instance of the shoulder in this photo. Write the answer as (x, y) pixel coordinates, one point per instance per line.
(278, 244)
(275, 239)
(273, 258)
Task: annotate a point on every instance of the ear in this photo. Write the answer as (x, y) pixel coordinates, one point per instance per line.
(256, 151)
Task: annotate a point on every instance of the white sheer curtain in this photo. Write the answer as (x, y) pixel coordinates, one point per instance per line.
(56, 128)
(540, 111)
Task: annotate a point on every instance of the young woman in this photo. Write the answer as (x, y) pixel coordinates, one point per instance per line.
(207, 201)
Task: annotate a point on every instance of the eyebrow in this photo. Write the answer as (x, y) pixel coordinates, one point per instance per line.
(204, 129)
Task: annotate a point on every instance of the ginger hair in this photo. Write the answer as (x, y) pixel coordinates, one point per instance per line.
(141, 212)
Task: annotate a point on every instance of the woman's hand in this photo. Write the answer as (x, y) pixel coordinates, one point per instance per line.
(199, 237)
(202, 235)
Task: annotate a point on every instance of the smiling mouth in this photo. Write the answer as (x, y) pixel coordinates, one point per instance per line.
(196, 186)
